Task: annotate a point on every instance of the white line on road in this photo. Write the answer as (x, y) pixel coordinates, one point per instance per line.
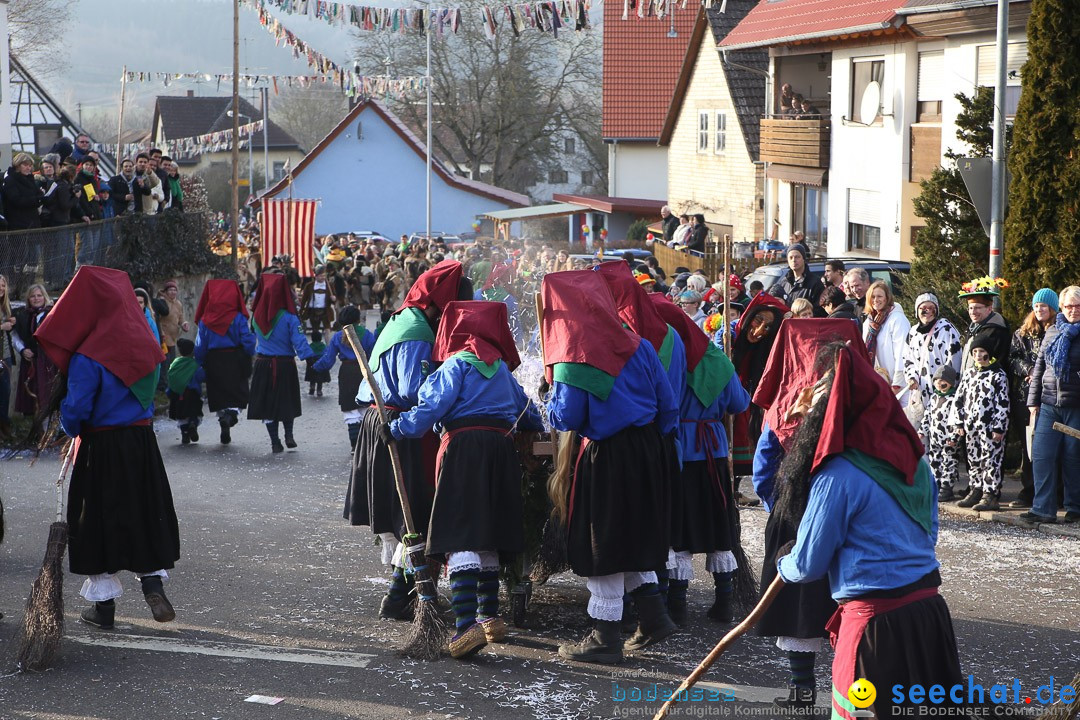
(230, 650)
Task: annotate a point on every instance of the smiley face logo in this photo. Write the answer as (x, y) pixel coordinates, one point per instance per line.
(862, 693)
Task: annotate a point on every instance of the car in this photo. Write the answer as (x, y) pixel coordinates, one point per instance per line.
(435, 235)
(891, 271)
(612, 256)
(369, 235)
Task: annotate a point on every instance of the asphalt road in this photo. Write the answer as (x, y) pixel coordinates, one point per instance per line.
(277, 596)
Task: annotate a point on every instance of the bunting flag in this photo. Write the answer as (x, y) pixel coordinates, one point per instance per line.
(188, 147)
(288, 228)
(548, 16)
(368, 85)
(659, 8)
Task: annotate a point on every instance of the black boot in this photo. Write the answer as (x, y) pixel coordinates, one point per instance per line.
(226, 436)
(100, 614)
(275, 438)
(676, 601)
(655, 622)
(318, 390)
(629, 615)
(972, 498)
(603, 645)
(946, 494)
(354, 435)
(185, 435)
(723, 587)
(290, 442)
(311, 389)
(990, 502)
(797, 698)
(193, 432)
(154, 592)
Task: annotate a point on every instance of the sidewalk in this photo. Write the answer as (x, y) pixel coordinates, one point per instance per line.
(1009, 490)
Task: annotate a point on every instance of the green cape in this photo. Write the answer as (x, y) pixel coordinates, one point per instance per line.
(273, 324)
(711, 375)
(144, 389)
(181, 370)
(409, 324)
(591, 380)
(916, 499)
(488, 371)
(666, 347)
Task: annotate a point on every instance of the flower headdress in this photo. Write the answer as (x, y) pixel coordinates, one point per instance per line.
(985, 285)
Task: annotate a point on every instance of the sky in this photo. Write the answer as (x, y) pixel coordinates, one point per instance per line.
(174, 36)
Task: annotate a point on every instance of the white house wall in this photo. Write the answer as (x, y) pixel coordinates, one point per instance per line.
(638, 170)
(5, 91)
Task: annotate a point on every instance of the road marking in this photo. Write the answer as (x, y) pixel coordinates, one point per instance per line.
(230, 650)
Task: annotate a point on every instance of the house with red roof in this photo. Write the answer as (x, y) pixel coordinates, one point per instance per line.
(642, 59)
(881, 76)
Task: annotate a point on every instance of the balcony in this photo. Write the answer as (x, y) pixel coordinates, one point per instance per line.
(802, 143)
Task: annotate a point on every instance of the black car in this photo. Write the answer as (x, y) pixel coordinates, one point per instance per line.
(891, 271)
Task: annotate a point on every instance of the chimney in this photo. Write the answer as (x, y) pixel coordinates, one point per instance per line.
(191, 93)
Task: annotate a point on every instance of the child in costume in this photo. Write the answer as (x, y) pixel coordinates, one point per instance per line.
(224, 346)
(185, 391)
(937, 433)
(980, 415)
(400, 361)
(313, 377)
(120, 509)
(349, 376)
(275, 384)
(610, 387)
(476, 516)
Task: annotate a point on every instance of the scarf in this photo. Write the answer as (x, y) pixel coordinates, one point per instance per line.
(925, 328)
(1057, 352)
(874, 321)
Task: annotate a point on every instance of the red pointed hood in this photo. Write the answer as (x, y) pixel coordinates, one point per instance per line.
(632, 302)
(437, 286)
(695, 341)
(479, 327)
(220, 302)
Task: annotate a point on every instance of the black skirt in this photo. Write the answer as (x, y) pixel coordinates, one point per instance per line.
(619, 504)
(228, 371)
(349, 378)
(371, 498)
(801, 609)
(275, 388)
(477, 502)
(703, 522)
(913, 644)
(311, 375)
(185, 406)
(120, 509)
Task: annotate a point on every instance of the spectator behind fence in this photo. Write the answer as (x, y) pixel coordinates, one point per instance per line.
(176, 192)
(122, 196)
(59, 203)
(682, 232)
(156, 159)
(833, 275)
(669, 223)
(89, 206)
(698, 234)
(147, 185)
(858, 282)
(786, 98)
(1054, 396)
(7, 357)
(22, 196)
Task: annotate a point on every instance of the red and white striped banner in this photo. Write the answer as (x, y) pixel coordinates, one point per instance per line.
(288, 228)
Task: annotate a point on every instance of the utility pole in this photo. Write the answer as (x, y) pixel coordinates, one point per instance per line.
(997, 176)
(235, 219)
(266, 129)
(427, 82)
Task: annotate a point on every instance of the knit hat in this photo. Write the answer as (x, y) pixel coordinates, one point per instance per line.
(799, 248)
(927, 297)
(946, 373)
(1047, 297)
(645, 279)
(690, 297)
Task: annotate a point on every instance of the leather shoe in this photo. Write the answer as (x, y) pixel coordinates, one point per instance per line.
(1034, 518)
(160, 606)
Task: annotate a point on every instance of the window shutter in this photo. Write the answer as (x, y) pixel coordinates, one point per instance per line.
(863, 207)
(931, 76)
(986, 75)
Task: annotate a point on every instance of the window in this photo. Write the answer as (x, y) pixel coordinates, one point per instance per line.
(44, 137)
(557, 177)
(568, 145)
(586, 177)
(931, 89)
(809, 210)
(864, 238)
(863, 72)
(703, 131)
(987, 72)
(279, 170)
(721, 132)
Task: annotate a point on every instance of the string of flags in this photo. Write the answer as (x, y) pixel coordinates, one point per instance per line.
(548, 16)
(659, 8)
(368, 85)
(187, 147)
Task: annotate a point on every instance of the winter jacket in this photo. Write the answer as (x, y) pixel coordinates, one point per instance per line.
(1046, 387)
(146, 199)
(57, 207)
(846, 312)
(1022, 357)
(87, 206)
(808, 286)
(120, 188)
(22, 198)
(889, 346)
(997, 330)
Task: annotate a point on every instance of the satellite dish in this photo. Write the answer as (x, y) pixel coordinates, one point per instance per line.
(870, 104)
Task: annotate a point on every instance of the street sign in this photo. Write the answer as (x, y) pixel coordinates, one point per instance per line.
(976, 174)
(243, 182)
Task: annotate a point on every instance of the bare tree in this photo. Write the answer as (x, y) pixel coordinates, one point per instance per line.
(36, 29)
(499, 101)
(309, 114)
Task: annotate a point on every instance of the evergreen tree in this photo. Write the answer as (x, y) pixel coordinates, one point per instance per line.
(952, 248)
(1042, 232)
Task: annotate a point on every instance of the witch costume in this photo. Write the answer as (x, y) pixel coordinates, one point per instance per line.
(224, 346)
(477, 516)
(750, 351)
(275, 383)
(610, 387)
(120, 508)
(349, 376)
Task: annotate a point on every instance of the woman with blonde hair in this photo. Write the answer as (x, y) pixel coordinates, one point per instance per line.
(802, 309)
(36, 372)
(7, 356)
(885, 334)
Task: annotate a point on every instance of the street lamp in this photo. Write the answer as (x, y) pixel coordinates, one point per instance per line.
(251, 186)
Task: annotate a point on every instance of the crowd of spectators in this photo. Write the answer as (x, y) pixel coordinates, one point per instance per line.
(65, 186)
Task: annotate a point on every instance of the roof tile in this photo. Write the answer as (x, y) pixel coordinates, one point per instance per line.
(774, 22)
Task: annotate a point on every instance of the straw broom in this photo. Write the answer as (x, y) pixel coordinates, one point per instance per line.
(43, 626)
(429, 632)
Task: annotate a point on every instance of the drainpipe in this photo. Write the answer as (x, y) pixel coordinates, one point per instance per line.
(768, 104)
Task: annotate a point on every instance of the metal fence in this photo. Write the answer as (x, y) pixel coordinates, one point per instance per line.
(50, 256)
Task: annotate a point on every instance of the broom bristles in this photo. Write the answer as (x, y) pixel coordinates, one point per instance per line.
(43, 626)
(552, 558)
(428, 633)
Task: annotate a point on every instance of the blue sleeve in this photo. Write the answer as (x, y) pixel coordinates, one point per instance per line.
(368, 342)
(530, 421)
(567, 407)
(821, 533)
(199, 377)
(734, 399)
(330, 354)
(247, 337)
(435, 398)
(83, 383)
(299, 342)
(200, 344)
(667, 405)
(767, 457)
(414, 356)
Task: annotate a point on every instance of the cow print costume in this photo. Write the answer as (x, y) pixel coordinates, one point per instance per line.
(927, 351)
(980, 409)
(938, 435)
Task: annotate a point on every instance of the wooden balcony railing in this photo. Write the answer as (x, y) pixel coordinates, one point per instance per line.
(788, 141)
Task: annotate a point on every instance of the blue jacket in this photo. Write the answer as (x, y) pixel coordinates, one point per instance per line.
(641, 395)
(458, 390)
(239, 334)
(732, 399)
(767, 457)
(855, 532)
(339, 348)
(97, 398)
(402, 370)
(285, 339)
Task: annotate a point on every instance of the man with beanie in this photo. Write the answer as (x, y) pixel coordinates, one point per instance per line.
(799, 281)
